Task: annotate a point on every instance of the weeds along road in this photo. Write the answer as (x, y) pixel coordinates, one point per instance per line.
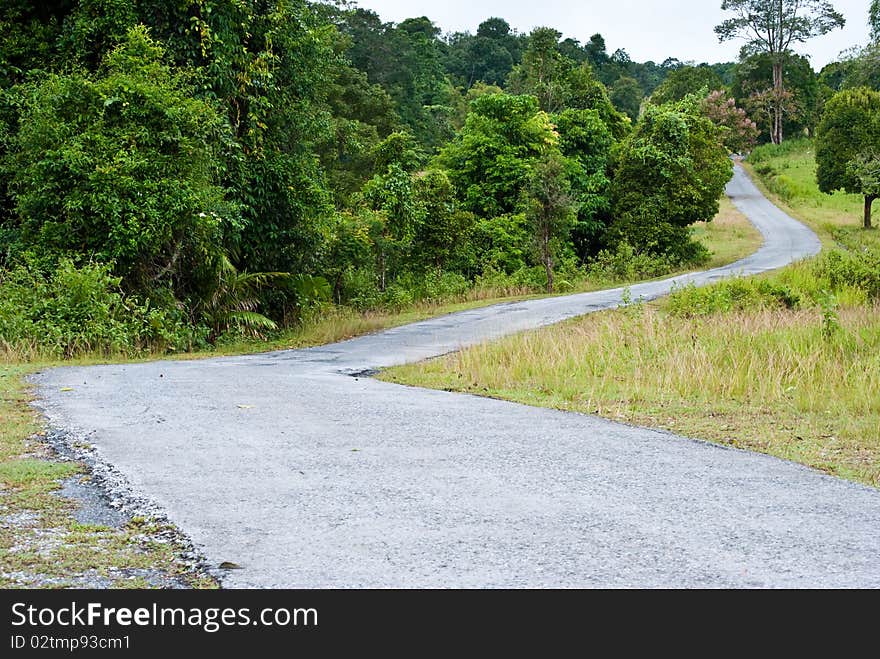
(307, 476)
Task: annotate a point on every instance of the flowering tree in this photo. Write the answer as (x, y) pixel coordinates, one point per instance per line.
(769, 104)
(741, 132)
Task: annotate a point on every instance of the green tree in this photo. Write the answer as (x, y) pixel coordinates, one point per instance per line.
(28, 37)
(391, 196)
(490, 160)
(407, 60)
(626, 96)
(863, 69)
(586, 92)
(596, 50)
(487, 56)
(586, 142)
(669, 174)
(442, 229)
(848, 144)
(544, 71)
(124, 168)
(549, 208)
(874, 20)
(686, 80)
(362, 116)
(774, 27)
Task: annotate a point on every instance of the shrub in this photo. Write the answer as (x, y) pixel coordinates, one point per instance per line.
(624, 264)
(731, 295)
(122, 168)
(849, 277)
(855, 269)
(81, 310)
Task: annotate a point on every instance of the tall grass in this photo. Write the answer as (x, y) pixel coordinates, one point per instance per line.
(770, 380)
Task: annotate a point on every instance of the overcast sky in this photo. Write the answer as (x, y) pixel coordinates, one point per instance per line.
(646, 29)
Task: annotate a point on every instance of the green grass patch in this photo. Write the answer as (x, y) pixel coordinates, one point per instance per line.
(27, 472)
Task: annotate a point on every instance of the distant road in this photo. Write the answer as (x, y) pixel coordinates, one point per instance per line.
(306, 476)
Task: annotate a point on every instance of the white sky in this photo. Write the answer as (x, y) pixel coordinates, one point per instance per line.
(648, 30)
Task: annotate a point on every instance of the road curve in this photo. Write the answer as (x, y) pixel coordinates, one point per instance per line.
(308, 477)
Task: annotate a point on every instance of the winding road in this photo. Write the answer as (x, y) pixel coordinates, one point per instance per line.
(307, 474)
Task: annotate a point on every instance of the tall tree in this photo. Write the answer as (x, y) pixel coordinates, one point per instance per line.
(773, 27)
(544, 70)
(669, 173)
(626, 95)
(686, 80)
(490, 160)
(549, 207)
(797, 102)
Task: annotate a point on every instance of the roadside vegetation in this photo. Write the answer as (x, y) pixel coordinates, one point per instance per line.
(786, 363)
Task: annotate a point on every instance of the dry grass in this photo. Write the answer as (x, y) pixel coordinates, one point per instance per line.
(764, 380)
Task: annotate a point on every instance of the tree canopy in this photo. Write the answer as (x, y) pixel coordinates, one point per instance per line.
(848, 145)
(773, 27)
(669, 174)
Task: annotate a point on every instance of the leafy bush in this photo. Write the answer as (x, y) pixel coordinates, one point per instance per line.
(850, 277)
(731, 295)
(502, 243)
(81, 310)
(122, 167)
(359, 288)
(859, 270)
(624, 264)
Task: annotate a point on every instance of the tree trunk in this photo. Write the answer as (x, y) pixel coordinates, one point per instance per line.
(869, 201)
(548, 266)
(548, 259)
(778, 89)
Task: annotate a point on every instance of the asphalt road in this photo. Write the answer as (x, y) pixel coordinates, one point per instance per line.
(306, 476)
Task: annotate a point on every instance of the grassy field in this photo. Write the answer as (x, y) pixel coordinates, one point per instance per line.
(41, 544)
(800, 383)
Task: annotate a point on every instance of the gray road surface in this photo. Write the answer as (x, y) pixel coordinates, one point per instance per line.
(308, 477)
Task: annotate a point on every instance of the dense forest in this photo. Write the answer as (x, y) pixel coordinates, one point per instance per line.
(173, 172)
